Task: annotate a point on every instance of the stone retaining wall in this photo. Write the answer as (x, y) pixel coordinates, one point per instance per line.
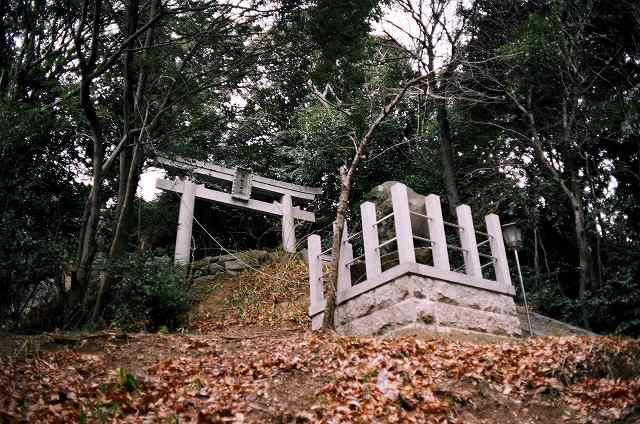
(215, 266)
(413, 303)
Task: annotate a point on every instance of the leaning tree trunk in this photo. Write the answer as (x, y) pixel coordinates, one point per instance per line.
(76, 304)
(123, 224)
(127, 161)
(336, 243)
(130, 158)
(573, 192)
(91, 214)
(346, 180)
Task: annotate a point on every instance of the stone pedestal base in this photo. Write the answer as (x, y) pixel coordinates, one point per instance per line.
(412, 304)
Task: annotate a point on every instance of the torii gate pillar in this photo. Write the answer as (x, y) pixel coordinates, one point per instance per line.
(288, 224)
(182, 253)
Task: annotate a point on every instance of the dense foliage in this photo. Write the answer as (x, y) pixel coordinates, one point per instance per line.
(148, 293)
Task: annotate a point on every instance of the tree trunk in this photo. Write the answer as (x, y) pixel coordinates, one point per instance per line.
(123, 223)
(87, 244)
(336, 243)
(91, 213)
(77, 302)
(573, 191)
(130, 159)
(584, 257)
(536, 253)
(128, 107)
(596, 279)
(444, 128)
(446, 157)
(127, 163)
(124, 216)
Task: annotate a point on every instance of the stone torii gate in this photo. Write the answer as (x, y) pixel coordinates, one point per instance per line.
(243, 184)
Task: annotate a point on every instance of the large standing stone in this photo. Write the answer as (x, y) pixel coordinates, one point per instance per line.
(380, 195)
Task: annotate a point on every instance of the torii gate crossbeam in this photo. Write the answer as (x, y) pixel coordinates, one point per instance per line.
(243, 183)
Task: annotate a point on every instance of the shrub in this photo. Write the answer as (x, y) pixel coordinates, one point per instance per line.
(613, 307)
(148, 292)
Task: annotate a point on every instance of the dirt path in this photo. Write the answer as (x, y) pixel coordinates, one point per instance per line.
(188, 362)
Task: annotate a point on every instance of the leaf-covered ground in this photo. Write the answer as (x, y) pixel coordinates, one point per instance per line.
(250, 358)
(292, 375)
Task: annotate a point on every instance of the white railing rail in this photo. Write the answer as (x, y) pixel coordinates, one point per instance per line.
(404, 239)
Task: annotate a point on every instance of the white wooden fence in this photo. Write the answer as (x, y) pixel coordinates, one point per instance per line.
(406, 256)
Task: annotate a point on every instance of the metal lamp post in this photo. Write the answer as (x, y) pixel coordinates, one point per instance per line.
(512, 235)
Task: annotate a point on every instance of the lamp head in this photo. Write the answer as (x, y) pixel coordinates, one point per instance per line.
(512, 235)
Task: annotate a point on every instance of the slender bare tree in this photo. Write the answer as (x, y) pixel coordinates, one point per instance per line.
(347, 172)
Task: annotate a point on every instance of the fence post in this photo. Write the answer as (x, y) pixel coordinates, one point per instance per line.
(402, 222)
(315, 270)
(182, 253)
(468, 241)
(344, 270)
(370, 240)
(501, 266)
(436, 232)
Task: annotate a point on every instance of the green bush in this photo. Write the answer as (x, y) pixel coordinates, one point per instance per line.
(547, 299)
(147, 292)
(613, 307)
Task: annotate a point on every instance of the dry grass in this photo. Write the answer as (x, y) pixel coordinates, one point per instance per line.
(276, 295)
